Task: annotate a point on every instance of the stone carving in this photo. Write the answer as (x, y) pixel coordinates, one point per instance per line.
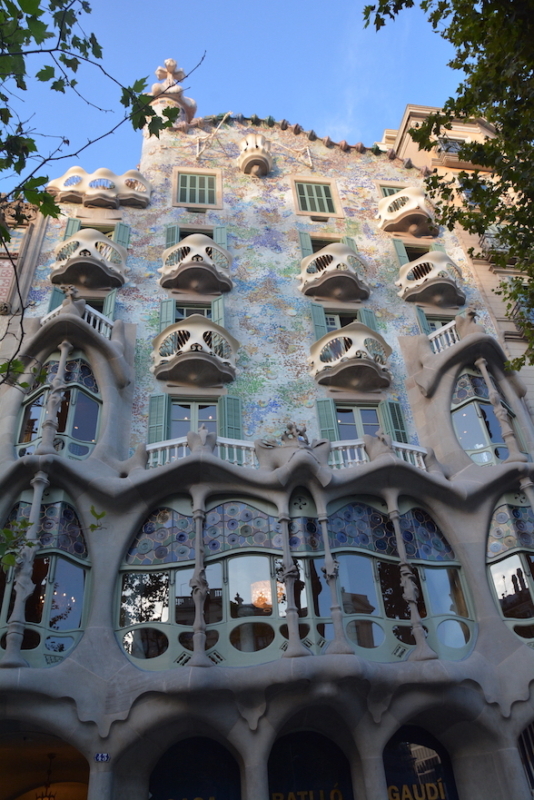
(465, 323)
(170, 89)
(379, 445)
(16, 213)
(294, 435)
(294, 443)
(203, 441)
(255, 157)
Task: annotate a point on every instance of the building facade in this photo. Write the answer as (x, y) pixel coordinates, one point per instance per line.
(277, 478)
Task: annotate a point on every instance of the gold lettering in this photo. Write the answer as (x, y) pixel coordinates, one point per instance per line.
(393, 793)
(302, 795)
(434, 795)
(418, 796)
(441, 791)
(322, 794)
(406, 793)
(335, 794)
(277, 796)
(291, 796)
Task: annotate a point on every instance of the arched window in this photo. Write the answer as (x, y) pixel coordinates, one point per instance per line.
(55, 609)
(511, 562)
(418, 766)
(199, 768)
(246, 609)
(77, 415)
(475, 423)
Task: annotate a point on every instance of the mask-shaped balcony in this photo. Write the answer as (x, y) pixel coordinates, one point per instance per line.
(431, 279)
(333, 274)
(196, 264)
(91, 260)
(351, 358)
(195, 352)
(406, 212)
(101, 189)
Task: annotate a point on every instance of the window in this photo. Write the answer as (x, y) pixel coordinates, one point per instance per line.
(430, 323)
(355, 421)
(450, 145)
(77, 415)
(173, 417)
(342, 421)
(317, 199)
(336, 321)
(119, 233)
(387, 191)
(314, 244)
(198, 189)
(408, 251)
(172, 311)
(325, 321)
(185, 417)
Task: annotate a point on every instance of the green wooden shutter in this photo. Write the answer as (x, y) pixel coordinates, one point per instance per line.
(367, 317)
(121, 234)
(217, 311)
(349, 241)
(439, 248)
(401, 252)
(172, 235)
(108, 308)
(387, 191)
(392, 420)
(167, 314)
(220, 236)
(73, 226)
(56, 299)
(422, 320)
(306, 247)
(326, 413)
(158, 418)
(319, 320)
(230, 417)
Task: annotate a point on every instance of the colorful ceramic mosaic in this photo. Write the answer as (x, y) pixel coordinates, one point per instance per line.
(469, 386)
(165, 538)
(59, 527)
(511, 527)
(76, 371)
(235, 525)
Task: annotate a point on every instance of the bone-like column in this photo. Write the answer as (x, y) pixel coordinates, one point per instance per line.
(199, 590)
(288, 576)
(507, 431)
(53, 402)
(331, 570)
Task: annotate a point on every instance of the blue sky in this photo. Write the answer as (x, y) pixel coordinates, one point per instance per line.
(307, 62)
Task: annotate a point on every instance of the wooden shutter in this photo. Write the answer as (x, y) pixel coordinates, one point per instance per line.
(167, 314)
(319, 320)
(349, 241)
(439, 248)
(73, 226)
(56, 299)
(400, 250)
(387, 191)
(326, 413)
(121, 234)
(108, 308)
(306, 247)
(217, 311)
(392, 420)
(172, 235)
(422, 320)
(220, 236)
(158, 418)
(367, 317)
(230, 417)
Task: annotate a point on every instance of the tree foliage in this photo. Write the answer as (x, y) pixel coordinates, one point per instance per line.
(493, 42)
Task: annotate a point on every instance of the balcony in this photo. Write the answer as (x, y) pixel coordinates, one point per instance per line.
(196, 264)
(406, 212)
(431, 279)
(444, 337)
(94, 318)
(195, 352)
(101, 189)
(333, 274)
(91, 260)
(352, 358)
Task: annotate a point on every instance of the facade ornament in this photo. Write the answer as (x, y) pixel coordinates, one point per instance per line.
(203, 441)
(5, 309)
(379, 445)
(255, 157)
(502, 415)
(465, 323)
(169, 89)
(294, 435)
(16, 213)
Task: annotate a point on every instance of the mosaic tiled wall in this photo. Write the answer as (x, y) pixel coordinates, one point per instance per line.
(265, 311)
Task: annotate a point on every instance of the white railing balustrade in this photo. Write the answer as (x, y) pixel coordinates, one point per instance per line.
(405, 211)
(352, 452)
(444, 337)
(94, 318)
(208, 262)
(336, 263)
(429, 266)
(82, 258)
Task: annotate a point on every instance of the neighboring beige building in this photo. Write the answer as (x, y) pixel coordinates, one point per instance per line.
(277, 476)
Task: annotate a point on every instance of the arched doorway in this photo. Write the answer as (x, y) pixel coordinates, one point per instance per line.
(196, 769)
(306, 764)
(418, 767)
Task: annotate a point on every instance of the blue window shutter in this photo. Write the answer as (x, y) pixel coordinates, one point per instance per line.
(167, 314)
(401, 252)
(108, 309)
(56, 299)
(305, 244)
(367, 317)
(73, 226)
(158, 418)
(422, 320)
(319, 320)
(392, 420)
(217, 311)
(230, 417)
(121, 234)
(438, 248)
(326, 413)
(220, 236)
(349, 241)
(172, 235)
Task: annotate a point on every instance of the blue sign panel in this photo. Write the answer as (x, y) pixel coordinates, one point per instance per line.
(418, 767)
(196, 769)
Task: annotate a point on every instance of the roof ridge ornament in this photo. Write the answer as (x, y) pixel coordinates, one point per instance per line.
(170, 89)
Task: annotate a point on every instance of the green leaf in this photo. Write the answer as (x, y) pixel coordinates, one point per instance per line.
(31, 7)
(39, 30)
(59, 85)
(46, 73)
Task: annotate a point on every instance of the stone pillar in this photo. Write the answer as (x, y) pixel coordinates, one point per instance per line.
(288, 577)
(199, 586)
(497, 774)
(507, 431)
(370, 773)
(53, 402)
(101, 783)
(255, 778)
(331, 569)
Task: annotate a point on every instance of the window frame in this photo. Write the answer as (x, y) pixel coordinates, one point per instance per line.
(322, 181)
(358, 423)
(194, 170)
(194, 404)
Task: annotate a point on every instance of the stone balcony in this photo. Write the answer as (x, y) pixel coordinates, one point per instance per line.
(352, 358)
(406, 212)
(101, 189)
(432, 278)
(334, 273)
(195, 352)
(196, 264)
(91, 260)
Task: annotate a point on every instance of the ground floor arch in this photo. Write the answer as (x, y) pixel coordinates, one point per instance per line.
(418, 767)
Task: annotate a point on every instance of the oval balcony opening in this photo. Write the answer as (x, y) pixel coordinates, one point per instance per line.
(196, 264)
(356, 360)
(334, 273)
(432, 278)
(91, 260)
(406, 212)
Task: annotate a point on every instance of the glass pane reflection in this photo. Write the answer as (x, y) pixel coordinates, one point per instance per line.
(184, 605)
(36, 600)
(299, 590)
(395, 605)
(365, 633)
(145, 597)
(85, 418)
(321, 592)
(512, 589)
(213, 611)
(252, 636)
(250, 589)
(468, 429)
(357, 585)
(67, 600)
(445, 591)
(145, 643)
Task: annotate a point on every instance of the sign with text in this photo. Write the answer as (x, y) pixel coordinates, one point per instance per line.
(308, 766)
(418, 767)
